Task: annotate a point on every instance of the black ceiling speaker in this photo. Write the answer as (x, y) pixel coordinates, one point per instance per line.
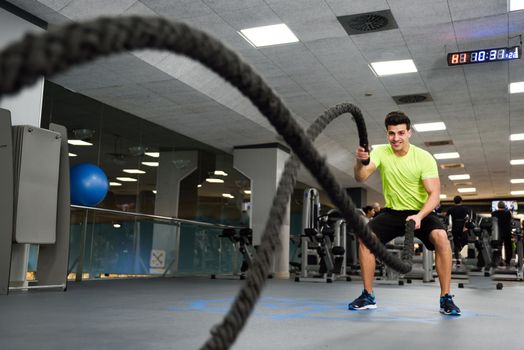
(438, 143)
(361, 23)
(412, 98)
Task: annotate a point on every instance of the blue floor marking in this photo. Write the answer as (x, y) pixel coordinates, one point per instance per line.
(286, 309)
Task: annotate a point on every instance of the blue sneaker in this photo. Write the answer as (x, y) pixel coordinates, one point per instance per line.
(448, 307)
(363, 302)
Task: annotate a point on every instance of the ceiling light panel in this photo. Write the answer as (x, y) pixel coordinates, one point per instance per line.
(423, 127)
(459, 177)
(152, 164)
(516, 87)
(515, 5)
(134, 171)
(385, 68)
(126, 179)
(79, 143)
(467, 189)
(449, 155)
(275, 34)
(516, 137)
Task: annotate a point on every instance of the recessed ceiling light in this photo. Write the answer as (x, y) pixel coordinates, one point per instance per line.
(117, 225)
(467, 189)
(517, 193)
(429, 126)
(126, 179)
(214, 181)
(79, 143)
(227, 195)
(443, 196)
(268, 35)
(516, 137)
(247, 191)
(72, 155)
(112, 183)
(199, 185)
(150, 163)
(515, 5)
(516, 87)
(393, 67)
(220, 173)
(516, 161)
(134, 171)
(459, 177)
(154, 191)
(152, 154)
(449, 155)
(517, 181)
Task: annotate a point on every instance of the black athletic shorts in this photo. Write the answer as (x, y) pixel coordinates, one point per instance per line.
(389, 224)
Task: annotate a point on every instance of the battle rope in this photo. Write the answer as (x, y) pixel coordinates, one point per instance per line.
(23, 62)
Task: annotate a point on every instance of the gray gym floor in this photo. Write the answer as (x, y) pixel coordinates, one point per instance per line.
(178, 313)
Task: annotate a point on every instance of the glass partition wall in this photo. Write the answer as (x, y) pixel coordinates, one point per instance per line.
(144, 163)
(108, 244)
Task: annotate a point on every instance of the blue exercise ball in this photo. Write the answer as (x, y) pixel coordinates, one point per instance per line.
(89, 184)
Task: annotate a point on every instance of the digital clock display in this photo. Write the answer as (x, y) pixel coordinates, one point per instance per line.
(484, 55)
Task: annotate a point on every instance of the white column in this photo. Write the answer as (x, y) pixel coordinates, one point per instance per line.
(264, 164)
(173, 167)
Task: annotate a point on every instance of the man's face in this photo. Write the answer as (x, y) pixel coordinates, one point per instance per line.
(398, 136)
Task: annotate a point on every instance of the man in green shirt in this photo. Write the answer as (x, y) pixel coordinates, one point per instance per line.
(411, 188)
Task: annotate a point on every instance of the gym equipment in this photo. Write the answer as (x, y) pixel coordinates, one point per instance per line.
(35, 207)
(422, 265)
(512, 273)
(322, 244)
(242, 241)
(111, 35)
(89, 185)
(486, 231)
(484, 235)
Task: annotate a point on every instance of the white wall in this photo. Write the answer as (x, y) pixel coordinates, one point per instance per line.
(26, 106)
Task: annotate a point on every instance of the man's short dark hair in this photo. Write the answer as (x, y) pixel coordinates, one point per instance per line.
(501, 205)
(397, 118)
(457, 199)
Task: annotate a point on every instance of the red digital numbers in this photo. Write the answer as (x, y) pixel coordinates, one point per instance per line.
(459, 58)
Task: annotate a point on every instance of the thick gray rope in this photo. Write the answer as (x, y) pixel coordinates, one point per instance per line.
(22, 63)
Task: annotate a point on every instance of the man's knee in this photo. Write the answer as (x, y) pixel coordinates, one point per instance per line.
(440, 240)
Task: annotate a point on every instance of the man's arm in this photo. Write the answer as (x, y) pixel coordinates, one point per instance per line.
(361, 171)
(432, 186)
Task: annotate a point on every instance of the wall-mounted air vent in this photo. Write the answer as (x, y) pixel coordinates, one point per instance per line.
(452, 165)
(368, 22)
(413, 98)
(438, 143)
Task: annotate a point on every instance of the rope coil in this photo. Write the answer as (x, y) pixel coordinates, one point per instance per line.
(23, 62)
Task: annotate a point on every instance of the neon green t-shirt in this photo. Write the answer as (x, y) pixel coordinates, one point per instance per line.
(402, 176)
